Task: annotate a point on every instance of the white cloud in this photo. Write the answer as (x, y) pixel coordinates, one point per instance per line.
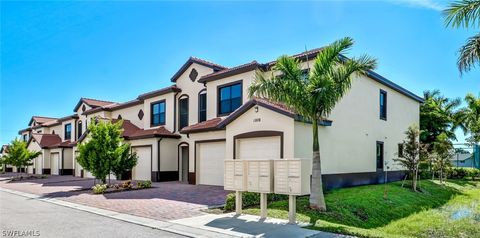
(427, 4)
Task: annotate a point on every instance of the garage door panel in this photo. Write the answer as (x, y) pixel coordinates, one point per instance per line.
(142, 171)
(259, 148)
(55, 163)
(38, 164)
(210, 163)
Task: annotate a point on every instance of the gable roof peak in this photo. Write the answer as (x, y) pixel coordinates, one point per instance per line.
(190, 61)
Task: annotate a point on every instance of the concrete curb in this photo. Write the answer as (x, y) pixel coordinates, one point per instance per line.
(171, 227)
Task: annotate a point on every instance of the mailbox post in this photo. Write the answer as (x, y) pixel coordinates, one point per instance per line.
(292, 177)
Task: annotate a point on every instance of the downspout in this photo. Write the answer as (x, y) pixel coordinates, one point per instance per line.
(175, 112)
(63, 161)
(158, 159)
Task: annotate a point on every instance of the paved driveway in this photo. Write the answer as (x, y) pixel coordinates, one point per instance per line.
(165, 201)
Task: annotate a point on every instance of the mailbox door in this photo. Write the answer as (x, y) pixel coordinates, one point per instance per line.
(294, 168)
(229, 175)
(294, 185)
(281, 177)
(264, 184)
(264, 168)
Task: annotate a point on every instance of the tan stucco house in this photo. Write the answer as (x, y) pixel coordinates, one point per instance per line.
(185, 131)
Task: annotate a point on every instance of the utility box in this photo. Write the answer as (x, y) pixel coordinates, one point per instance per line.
(260, 176)
(292, 176)
(235, 175)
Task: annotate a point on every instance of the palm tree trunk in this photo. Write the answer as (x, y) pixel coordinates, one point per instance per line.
(317, 200)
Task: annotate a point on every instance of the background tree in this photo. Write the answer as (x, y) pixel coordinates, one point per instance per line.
(19, 156)
(104, 150)
(314, 96)
(443, 152)
(465, 13)
(470, 118)
(411, 158)
(438, 115)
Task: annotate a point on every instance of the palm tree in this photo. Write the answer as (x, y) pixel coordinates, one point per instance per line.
(315, 96)
(465, 13)
(438, 115)
(470, 117)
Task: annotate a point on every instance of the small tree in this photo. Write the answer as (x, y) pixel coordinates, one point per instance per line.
(443, 151)
(19, 156)
(104, 151)
(411, 154)
(125, 161)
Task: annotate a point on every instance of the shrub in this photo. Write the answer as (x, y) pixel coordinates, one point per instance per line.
(463, 173)
(250, 199)
(99, 188)
(127, 184)
(144, 184)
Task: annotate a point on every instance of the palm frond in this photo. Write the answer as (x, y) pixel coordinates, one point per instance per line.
(463, 13)
(469, 54)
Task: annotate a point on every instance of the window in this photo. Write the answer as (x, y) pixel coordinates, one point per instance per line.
(68, 131)
(400, 150)
(383, 105)
(25, 137)
(379, 155)
(157, 113)
(183, 113)
(39, 131)
(53, 132)
(229, 98)
(79, 129)
(202, 107)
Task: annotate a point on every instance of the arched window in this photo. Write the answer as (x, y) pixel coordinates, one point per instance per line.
(79, 129)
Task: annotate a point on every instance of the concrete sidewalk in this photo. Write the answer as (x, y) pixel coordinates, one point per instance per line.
(210, 225)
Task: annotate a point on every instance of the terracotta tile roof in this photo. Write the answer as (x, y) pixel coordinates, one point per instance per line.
(206, 62)
(91, 102)
(276, 107)
(95, 102)
(46, 140)
(230, 71)
(199, 61)
(309, 54)
(41, 119)
(132, 132)
(159, 92)
(202, 126)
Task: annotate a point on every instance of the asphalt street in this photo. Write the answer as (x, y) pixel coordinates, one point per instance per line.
(25, 217)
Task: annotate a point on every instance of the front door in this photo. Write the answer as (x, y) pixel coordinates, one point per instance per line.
(184, 163)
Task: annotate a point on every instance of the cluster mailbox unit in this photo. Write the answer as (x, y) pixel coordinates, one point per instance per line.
(281, 176)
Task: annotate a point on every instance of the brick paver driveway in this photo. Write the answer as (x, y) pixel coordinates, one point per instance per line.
(165, 201)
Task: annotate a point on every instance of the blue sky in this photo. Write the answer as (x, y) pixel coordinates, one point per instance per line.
(53, 53)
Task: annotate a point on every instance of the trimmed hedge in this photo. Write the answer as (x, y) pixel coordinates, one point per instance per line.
(250, 199)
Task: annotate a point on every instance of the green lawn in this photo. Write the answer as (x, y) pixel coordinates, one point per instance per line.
(450, 210)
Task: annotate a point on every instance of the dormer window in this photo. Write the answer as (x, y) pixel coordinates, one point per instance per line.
(68, 131)
(229, 98)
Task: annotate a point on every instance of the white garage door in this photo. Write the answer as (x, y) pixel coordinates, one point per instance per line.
(258, 148)
(38, 164)
(210, 163)
(55, 162)
(143, 169)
